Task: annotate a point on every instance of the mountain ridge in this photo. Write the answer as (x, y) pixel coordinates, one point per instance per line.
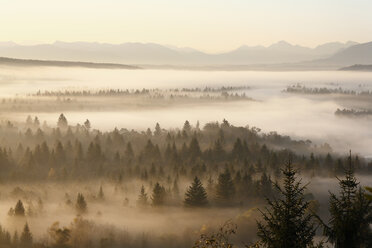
(152, 53)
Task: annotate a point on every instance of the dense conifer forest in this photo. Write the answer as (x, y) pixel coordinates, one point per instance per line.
(214, 168)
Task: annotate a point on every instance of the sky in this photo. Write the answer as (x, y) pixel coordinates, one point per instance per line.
(211, 26)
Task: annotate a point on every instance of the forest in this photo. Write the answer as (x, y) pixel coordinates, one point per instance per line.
(89, 176)
(145, 98)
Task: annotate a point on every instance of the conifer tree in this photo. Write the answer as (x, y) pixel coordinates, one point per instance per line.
(157, 131)
(87, 124)
(142, 198)
(26, 238)
(196, 196)
(62, 122)
(186, 127)
(15, 240)
(19, 209)
(81, 205)
(158, 195)
(351, 214)
(101, 195)
(286, 222)
(225, 188)
(194, 149)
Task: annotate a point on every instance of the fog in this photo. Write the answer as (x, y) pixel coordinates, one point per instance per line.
(300, 116)
(46, 165)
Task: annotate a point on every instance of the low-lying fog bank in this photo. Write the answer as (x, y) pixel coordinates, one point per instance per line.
(296, 115)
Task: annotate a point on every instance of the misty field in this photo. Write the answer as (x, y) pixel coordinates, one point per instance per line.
(172, 157)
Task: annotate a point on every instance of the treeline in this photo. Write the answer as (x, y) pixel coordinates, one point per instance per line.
(290, 221)
(39, 152)
(352, 112)
(126, 92)
(300, 89)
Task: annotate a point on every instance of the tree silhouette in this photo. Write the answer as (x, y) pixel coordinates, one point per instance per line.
(351, 214)
(196, 196)
(87, 124)
(19, 209)
(81, 205)
(26, 238)
(158, 195)
(62, 122)
(101, 195)
(142, 198)
(225, 188)
(286, 222)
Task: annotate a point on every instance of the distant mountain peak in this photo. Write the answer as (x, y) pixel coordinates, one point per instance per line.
(281, 44)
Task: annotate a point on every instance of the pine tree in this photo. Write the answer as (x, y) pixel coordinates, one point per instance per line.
(351, 214)
(196, 196)
(286, 223)
(87, 124)
(186, 127)
(142, 198)
(62, 122)
(225, 188)
(194, 149)
(158, 195)
(15, 240)
(101, 195)
(81, 205)
(26, 238)
(19, 209)
(157, 131)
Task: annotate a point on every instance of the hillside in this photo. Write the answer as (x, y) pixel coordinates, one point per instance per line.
(31, 62)
(155, 54)
(357, 68)
(358, 54)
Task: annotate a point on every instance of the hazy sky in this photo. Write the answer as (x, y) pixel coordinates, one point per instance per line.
(214, 25)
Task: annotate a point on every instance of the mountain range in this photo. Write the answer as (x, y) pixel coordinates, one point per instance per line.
(155, 54)
(279, 55)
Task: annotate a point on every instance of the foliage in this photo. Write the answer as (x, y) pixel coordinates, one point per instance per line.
(196, 196)
(219, 239)
(286, 223)
(26, 239)
(351, 214)
(158, 195)
(81, 205)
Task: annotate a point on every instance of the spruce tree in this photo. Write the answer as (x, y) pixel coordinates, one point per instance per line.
(196, 196)
(157, 131)
(19, 209)
(62, 122)
(158, 195)
(81, 205)
(351, 214)
(225, 188)
(286, 222)
(142, 198)
(26, 238)
(87, 124)
(101, 195)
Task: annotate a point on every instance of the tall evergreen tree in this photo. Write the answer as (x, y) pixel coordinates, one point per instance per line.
(225, 188)
(351, 214)
(19, 209)
(157, 131)
(26, 238)
(62, 122)
(158, 195)
(196, 196)
(287, 223)
(81, 205)
(101, 195)
(142, 198)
